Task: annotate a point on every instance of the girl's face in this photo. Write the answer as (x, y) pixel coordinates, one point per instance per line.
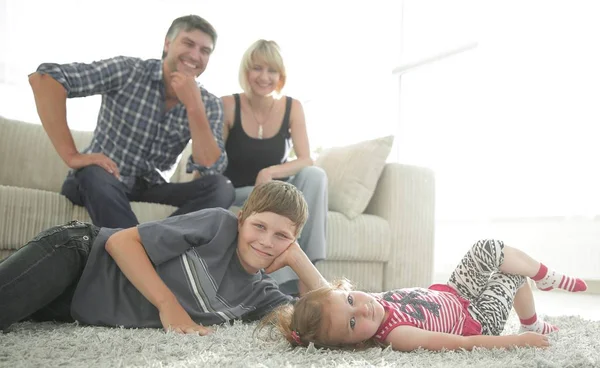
(263, 79)
(353, 317)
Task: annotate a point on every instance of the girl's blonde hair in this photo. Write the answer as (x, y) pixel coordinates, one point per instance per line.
(262, 51)
(303, 323)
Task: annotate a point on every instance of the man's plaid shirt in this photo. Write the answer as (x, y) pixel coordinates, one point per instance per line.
(133, 128)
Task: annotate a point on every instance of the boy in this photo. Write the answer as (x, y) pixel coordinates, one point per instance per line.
(181, 273)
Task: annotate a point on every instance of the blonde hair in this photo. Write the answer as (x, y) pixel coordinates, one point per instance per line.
(278, 197)
(267, 52)
(306, 319)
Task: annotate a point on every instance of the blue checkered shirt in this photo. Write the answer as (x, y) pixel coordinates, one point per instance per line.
(133, 128)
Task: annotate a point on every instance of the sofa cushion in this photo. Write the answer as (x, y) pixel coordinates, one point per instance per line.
(353, 172)
(25, 212)
(143, 211)
(364, 238)
(28, 158)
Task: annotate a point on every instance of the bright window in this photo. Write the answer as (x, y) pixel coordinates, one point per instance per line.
(510, 126)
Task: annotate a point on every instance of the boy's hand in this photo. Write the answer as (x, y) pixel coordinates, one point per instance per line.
(174, 318)
(284, 258)
(533, 339)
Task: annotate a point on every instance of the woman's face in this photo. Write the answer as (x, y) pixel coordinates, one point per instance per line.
(263, 78)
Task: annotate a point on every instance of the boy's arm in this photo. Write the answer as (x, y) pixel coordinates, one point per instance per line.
(409, 338)
(295, 257)
(128, 252)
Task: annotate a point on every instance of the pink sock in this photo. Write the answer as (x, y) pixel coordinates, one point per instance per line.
(536, 325)
(547, 279)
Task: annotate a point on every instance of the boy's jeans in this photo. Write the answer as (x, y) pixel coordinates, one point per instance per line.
(38, 281)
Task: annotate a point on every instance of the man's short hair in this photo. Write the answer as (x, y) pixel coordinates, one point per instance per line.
(278, 197)
(188, 23)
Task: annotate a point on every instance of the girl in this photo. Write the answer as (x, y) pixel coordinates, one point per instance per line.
(469, 311)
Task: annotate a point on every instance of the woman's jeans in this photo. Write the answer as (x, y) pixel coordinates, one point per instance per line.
(38, 281)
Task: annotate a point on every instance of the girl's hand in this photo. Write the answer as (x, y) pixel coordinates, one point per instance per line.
(174, 318)
(533, 339)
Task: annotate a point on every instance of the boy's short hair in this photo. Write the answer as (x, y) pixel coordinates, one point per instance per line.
(262, 51)
(278, 197)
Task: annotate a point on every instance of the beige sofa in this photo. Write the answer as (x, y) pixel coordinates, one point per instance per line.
(390, 245)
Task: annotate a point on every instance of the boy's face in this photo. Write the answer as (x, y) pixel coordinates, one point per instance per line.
(262, 238)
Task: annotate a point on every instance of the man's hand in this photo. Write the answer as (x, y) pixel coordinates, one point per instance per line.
(284, 258)
(81, 160)
(533, 339)
(187, 90)
(264, 176)
(174, 318)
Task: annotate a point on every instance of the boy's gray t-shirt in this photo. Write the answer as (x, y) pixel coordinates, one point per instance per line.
(195, 255)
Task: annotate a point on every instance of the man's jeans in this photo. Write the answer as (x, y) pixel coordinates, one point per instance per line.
(107, 200)
(38, 281)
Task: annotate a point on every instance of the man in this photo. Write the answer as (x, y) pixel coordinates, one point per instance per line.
(150, 110)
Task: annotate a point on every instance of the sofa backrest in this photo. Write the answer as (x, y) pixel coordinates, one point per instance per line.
(28, 158)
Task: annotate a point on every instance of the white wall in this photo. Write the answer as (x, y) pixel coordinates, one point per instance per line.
(570, 245)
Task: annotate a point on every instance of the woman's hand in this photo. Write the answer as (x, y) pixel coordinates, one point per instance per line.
(264, 176)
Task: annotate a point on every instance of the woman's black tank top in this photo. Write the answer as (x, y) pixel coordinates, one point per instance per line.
(247, 155)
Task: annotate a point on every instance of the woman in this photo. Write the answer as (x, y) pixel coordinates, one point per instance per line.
(260, 128)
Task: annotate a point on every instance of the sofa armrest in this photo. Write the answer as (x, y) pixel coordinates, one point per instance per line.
(405, 196)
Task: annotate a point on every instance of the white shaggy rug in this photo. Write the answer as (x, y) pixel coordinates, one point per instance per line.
(68, 345)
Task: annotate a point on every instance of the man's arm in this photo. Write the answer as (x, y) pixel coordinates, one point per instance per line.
(205, 150)
(51, 102)
(409, 338)
(215, 116)
(128, 252)
(205, 123)
(53, 83)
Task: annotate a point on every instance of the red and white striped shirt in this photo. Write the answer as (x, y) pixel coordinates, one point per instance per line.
(438, 309)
